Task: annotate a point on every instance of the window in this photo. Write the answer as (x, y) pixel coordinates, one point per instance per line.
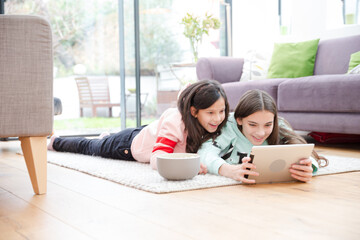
(86, 47)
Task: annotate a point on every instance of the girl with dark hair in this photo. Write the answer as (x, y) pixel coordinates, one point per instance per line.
(201, 113)
(254, 122)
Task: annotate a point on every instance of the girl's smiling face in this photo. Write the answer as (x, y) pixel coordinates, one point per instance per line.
(257, 127)
(211, 117)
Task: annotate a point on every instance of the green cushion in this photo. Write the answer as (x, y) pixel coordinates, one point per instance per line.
(354, 60)
(292, 60)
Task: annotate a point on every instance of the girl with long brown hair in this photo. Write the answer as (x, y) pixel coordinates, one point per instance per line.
(201, 113)
(254, 122)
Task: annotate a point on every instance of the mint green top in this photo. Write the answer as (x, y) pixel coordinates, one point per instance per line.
(230, 147)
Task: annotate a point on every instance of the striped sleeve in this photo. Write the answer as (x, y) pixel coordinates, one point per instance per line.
(170, 134)
(164, 144)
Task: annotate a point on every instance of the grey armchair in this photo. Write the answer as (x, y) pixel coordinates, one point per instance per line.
(26, 89)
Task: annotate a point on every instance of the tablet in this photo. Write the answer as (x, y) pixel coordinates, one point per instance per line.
(273, 162)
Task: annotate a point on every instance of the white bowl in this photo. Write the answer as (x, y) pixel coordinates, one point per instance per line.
(178, 166)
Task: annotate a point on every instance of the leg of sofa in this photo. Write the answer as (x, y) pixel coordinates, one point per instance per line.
(35, 154)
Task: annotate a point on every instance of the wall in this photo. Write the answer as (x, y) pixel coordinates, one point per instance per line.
(256, 23)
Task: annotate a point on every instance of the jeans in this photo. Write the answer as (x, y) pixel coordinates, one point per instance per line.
(116, 146)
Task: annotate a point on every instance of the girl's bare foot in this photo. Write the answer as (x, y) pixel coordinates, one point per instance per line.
(50, 145)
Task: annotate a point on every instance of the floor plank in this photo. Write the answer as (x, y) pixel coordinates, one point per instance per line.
(21, 220)
(89, 215)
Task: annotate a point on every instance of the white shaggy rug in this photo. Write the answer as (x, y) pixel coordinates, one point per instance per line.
(141, 176)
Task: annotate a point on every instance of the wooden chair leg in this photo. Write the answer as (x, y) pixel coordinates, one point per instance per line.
(35, 154)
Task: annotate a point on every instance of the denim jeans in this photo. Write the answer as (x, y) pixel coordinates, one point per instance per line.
(116, 146)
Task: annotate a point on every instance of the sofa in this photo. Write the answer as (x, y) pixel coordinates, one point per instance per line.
(26, 92)
(326, 102)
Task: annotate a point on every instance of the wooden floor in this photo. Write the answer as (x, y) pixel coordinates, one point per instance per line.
(79, 206)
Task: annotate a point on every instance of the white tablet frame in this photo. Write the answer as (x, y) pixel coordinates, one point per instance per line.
(274, 161)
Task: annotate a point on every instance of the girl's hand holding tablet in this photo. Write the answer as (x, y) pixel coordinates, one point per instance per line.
(239, 171)
(302, 171)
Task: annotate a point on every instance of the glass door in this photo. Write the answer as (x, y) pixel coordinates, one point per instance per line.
(166, 59)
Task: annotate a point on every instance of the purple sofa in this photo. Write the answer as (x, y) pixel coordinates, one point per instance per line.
(328, 101)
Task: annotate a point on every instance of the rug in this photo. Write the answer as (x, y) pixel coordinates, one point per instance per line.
(142, 176)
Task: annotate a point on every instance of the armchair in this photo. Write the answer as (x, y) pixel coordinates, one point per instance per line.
(26, 92)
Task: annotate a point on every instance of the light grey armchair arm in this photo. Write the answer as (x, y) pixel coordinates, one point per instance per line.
(26, 89)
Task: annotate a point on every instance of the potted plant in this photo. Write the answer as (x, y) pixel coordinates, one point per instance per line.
(195, 27)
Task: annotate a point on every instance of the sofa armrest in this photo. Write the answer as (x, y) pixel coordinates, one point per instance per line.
(222, 69)
(26, 76)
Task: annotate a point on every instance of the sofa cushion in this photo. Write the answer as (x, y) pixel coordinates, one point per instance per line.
(354, 60)
(324, 122)
(355, 70)
(292, 60)
(256, 65)
(235, 90)
(325, 93)
(333, 55)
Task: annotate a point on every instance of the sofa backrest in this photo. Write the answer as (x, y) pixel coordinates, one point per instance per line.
(333, 55)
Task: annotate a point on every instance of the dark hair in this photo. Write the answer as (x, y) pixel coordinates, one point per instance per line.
(200, 95)
(256, 100)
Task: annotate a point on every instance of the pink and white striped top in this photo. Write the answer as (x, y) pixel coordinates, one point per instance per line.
(166, 135)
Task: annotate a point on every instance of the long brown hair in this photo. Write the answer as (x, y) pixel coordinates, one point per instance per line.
(200, 95)
(256, 100)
